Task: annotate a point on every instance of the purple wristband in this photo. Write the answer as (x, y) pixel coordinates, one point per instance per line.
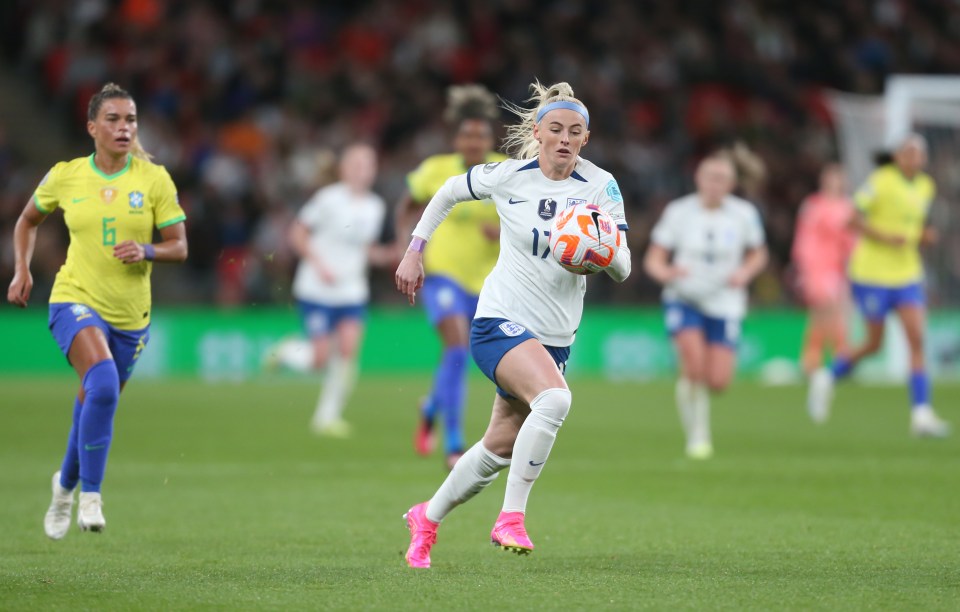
(417, 244)
(149, 252)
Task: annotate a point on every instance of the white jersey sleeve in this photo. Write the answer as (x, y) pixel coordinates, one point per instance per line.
(478, 183)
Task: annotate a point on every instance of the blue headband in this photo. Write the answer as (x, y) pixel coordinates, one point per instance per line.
(567, 105)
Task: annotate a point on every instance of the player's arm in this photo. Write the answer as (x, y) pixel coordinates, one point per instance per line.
(754, 261)
(930, 235)
(172, 247)
(24, 241)
(656, 263)
(409, 276)
(860, 225)
(299, 236)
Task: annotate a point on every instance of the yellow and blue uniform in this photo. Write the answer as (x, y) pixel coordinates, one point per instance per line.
(456, 261)
(95, 289)
(100, 212)
(883, 276)
(458, 250)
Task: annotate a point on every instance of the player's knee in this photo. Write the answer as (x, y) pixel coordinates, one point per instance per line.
(552, 406)
(718, 384)
(872, 345)
(101, 383)
(500, 443)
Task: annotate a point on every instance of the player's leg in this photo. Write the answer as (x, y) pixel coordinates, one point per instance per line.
(720, 338)
(531, 373)
(91, 358)
(302, 354)
(691, 391)
(814, 338)
(56, 522)
(80, 334)
(450, 385)
(476, 469)
(873, 303)
(446, 305)
(341, 372)
(923, 420)
(686, 328)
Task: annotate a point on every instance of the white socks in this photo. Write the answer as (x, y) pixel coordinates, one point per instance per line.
(477, 468)
(337, 385)
(693, 405)
(532, 448)
(296, 355)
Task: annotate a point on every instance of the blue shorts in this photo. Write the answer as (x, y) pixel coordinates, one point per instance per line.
(875, 301)
(444, 298)
(321, 320)
(67, 319)
(491, 339)
(680, 316)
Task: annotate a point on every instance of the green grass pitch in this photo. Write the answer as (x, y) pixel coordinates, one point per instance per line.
(217, 497)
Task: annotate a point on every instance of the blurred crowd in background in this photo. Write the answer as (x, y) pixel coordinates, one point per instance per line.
(246, 101)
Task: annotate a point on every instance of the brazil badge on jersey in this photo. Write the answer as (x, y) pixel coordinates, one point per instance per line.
(101, 211)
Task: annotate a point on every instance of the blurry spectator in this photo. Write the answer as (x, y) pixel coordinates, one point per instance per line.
(237, 95)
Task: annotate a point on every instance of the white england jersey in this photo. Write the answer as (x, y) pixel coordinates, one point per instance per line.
(342, 227)
(527, 286)
(709, 244)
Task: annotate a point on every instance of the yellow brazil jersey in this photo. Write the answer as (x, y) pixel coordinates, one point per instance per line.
(892, 203)
(458, 250)
(102, 211)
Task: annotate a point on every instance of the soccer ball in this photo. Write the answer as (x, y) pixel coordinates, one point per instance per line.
(582, 229)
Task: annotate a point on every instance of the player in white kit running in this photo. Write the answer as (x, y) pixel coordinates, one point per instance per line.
(528, 312)
(717, 243)
(335, 235)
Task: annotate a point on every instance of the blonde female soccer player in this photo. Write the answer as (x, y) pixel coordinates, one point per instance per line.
(821, 248)
(335, 236)
(717, 243)
(886, 274)
(528, 312)
(461, 253)
(100, 303)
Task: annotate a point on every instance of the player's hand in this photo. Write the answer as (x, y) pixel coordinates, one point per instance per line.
(491, 231)
(930, 236)
(129, 252)
(738, 279)
(324, 274)
(675, 273)
(19, 292)
(409, 275)
(895, 240)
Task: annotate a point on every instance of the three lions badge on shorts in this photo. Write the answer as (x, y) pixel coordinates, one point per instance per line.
(511, 329)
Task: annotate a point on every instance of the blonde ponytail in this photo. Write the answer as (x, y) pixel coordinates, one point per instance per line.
(749, 168)
(519, 142)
